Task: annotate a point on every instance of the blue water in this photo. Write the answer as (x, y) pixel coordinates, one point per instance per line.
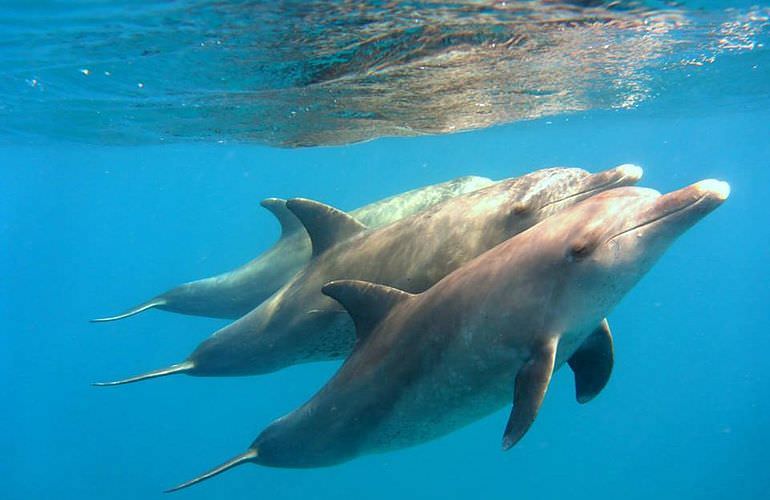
(88, 228)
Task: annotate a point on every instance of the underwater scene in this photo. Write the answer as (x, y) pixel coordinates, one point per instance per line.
(328, 249)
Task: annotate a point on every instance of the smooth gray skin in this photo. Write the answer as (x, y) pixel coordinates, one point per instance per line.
(233, 294)
(428, 364)
(298, 324)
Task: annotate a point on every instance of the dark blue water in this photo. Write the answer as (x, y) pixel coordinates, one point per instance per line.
(87, 228)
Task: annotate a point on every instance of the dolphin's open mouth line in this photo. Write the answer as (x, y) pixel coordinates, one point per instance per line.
(658, 218)
(592, 190)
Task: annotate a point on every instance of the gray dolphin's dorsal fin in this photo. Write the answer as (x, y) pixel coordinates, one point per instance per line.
(531, 384)
(592, 363)
(288, 221)
(326, 225)
(367, 303)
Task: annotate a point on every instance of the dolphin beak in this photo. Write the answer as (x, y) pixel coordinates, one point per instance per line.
(697, 199)
(682, 208)
(719, 191)
(622, 175)
(629, 174)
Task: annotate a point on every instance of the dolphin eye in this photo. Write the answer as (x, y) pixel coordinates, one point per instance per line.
(579, 250)
(521, 208)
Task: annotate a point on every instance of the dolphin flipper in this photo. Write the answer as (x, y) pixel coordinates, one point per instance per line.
(182, 367)
(150, 304)
(531, 384)
(592, 363)
(243, 458)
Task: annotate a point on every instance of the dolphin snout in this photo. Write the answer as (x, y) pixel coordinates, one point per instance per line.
(620, 176)
(714, 189)
(629, 172)
(690, 203)
(706, 194)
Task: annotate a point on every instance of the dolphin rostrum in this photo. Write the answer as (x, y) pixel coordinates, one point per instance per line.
(425, 365)
(235, 293)
(299, 324)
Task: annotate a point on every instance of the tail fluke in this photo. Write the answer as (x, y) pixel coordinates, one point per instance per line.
(250, 455)
(131, 312)
(183, 367)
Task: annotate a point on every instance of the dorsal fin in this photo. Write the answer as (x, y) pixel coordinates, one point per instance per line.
(288, 221)
(367, 303)
(326, 225)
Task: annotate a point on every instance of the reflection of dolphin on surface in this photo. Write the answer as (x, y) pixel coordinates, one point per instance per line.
(427, 364)
(235, 293)
(299, 324)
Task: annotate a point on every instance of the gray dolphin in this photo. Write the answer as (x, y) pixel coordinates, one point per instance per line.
(425, 365)
(299, 324)
(232, 294)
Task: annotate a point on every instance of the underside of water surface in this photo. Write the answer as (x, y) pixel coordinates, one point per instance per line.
(313, 73)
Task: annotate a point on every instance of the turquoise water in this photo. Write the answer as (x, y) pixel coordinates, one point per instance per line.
(92, 224)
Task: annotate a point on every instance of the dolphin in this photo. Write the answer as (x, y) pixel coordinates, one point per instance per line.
(427, 364)
(299, 324)
(232, 294)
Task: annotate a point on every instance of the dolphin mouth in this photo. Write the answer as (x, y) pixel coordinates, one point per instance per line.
(622, 175)
(685, 199)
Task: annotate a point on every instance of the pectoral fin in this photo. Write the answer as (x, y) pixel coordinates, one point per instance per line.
(531, 384)
(592, 363)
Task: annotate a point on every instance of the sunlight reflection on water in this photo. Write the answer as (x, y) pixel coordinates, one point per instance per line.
(313, 73)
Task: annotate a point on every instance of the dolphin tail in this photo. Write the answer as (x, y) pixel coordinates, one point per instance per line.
(183, 367)
(156, 302)
(249, 456)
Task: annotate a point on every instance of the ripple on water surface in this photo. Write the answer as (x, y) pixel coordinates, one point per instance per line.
(319, 72)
